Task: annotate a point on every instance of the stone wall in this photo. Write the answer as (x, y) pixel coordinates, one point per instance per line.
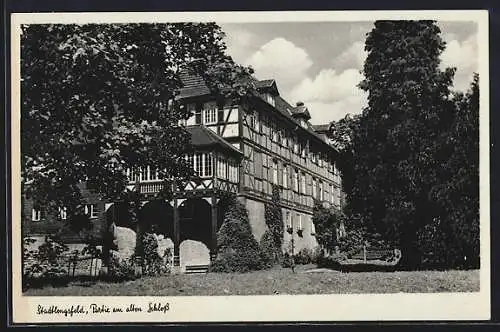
(256, 213)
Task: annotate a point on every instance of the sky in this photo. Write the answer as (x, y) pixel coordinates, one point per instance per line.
(319, 63)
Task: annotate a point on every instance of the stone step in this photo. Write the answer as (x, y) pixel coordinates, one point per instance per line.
(192, 269)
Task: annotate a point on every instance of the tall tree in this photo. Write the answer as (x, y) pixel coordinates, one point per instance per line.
(409, 105)
(457, 194)
(97, 99)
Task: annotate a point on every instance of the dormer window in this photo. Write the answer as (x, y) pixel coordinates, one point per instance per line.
(270, 99)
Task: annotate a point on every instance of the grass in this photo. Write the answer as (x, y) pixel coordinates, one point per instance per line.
(274, 281)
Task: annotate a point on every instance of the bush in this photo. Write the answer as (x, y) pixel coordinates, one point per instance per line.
(331, 261)
(273, 238)
(45, 262)
(237, 249)
(121, 269)
(152, 262)
(269, 250)
(307, 256)
(287, 261)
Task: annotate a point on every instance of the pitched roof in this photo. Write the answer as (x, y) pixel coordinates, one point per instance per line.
(321, 128)
(203, 137)
(193, 85)
(264, 83)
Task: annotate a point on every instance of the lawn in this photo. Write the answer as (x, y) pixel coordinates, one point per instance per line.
(275, 281)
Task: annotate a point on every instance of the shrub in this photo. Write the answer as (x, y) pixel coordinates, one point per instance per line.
(287, 261)
(237, 249)
(45, 262)
(307, 256)
(268, 248)
(121, 269)
(152, 262)
(274, 221)
(326, 222)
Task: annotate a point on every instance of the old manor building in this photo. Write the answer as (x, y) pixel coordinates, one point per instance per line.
(244, 149)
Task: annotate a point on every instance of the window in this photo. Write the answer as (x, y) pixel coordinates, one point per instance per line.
(275, 172)
(295, 147)
(198, 164)
(285, 176)
(197, 115)
(299, 221)
(315, 188)
(207, 167)
(332, 195)
(275, 132)
(63, 213)
(296, 180)
(303, 186)
(270, 99)
(144, 173)
(256, 125)
(91, 210)
(36, 215)
(220, 113)
(222, 168)
(288, 219)
(302, 150)
(313, 228)
(210, 116)
(321, 197)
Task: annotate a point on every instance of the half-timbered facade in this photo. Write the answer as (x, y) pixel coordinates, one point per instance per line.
(245, 149)
(280, 147)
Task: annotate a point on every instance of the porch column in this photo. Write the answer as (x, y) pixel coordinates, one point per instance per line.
(213, 237)
(177, 238)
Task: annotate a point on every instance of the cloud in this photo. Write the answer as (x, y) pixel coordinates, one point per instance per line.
(282, 60)
(333, 111)
(331, 95)
(329, 85)
(353, 57)
(464, 56)
(240, 42)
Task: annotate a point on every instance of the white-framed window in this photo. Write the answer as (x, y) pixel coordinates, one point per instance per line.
(270, 99)
(275, 172)
(208, 165)
(91, 210)
(313, 228)
(63, 213)
(295, 147)
(288, 219)
(296, 180)
(275, 133)
(222, 168)
(198, 166)
(299, 221)
(36, 215)
(314, 188)
(321, 193)
(285, 176)
(303, 181)
(210, 116)
(332, 194)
